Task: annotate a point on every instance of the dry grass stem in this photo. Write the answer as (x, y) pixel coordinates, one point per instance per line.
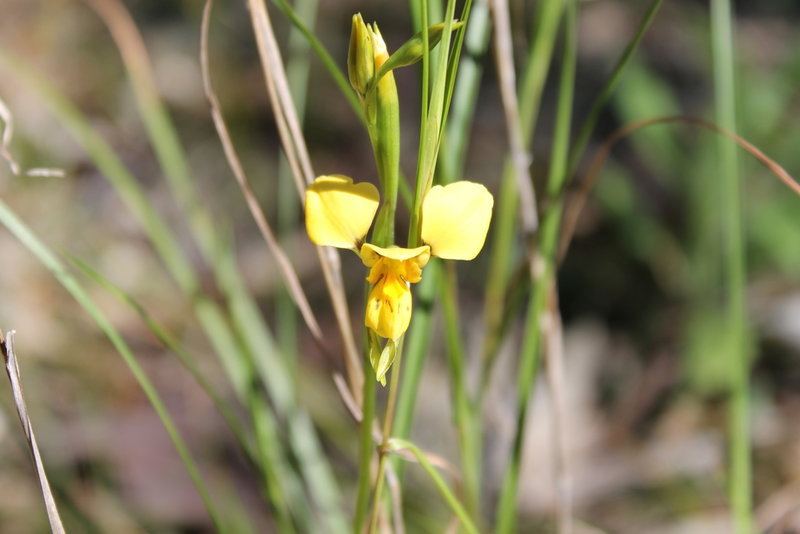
(504, 57)
(288, 272)
(12, 369)
(396, 493)
(296, 153)
(574, 207)
(5, 148)
(554, 354)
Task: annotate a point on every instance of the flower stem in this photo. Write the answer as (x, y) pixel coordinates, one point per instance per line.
(366, 446)
(388, 420)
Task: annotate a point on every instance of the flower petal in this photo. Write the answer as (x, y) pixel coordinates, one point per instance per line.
(339, 212)
(371, 253)
(455, 219)
(388, 310)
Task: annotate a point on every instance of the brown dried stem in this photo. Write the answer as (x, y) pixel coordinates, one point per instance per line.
(12, 369)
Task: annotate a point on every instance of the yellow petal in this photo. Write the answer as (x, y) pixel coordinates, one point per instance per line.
(339, 212)
(455, 219)
(371, 253)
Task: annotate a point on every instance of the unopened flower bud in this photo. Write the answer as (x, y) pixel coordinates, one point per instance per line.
(360, 56)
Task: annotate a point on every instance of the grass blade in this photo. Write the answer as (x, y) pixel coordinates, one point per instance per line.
(396, 445)
(542, 271)
(505, 218)
(733, 271)
(178, 350)
(585, 130)
(20, 230)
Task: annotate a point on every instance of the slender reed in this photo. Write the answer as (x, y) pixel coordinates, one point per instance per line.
(542, 271)
(734, 271)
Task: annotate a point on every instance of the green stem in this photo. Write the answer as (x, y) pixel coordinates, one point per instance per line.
(504, 230)
(413, 229)
(397, 444)
(545, 254)
(366, 444)
(586, 128)
(282, 496)
(464, 411)
(734, 271)
(465, 95)
(391, 403)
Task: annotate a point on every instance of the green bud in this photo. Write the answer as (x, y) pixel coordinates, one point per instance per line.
(360, 56)
(413, 49)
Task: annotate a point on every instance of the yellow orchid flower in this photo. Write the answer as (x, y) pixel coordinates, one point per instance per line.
(455, 220)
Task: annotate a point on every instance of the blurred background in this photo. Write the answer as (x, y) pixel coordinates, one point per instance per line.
(639, 291)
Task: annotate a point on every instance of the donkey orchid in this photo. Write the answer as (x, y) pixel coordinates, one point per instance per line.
(455, 220)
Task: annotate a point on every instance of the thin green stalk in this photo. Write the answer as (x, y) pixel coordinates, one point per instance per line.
(366, 445)
(262, 463)
(224, 408)
(464, 412)
(504, 225)
(465, 95)
(284, 498)
(388, 423)
(50, 261)
(546, 254)
(431, 126)
(528, 371)
(303, 442)
(396, 444)
(453, 65)
(734, 271)
(586, 128)
(413, 230)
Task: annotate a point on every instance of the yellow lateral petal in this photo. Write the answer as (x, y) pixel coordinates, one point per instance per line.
(339, 212)
(455, 219)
